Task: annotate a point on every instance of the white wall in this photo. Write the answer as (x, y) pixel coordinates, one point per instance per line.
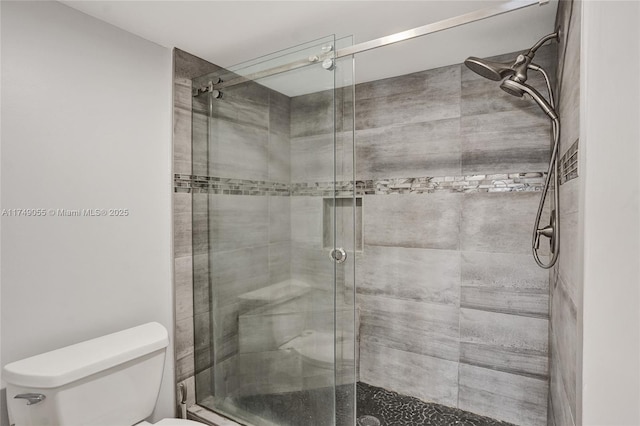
(86, 123)
(610, 137)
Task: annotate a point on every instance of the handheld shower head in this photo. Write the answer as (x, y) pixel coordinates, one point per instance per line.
(515, 77)
(518, 89)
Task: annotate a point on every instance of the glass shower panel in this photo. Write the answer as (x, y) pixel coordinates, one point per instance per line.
(274, 332)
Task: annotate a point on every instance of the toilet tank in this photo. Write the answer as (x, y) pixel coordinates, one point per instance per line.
(112, 380)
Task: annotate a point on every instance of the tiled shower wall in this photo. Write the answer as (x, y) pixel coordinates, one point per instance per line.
(453, 308)
(566, 276)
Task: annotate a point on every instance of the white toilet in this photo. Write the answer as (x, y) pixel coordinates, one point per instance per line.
(113, 380)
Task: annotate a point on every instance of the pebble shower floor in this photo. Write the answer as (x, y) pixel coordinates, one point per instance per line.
(392, 409)
(375, 407)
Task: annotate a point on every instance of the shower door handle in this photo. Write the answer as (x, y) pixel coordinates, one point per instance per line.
(338, 255)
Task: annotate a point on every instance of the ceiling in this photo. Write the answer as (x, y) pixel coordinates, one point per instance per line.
(230, 32)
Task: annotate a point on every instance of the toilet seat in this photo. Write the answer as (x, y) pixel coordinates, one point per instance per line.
(171, 422)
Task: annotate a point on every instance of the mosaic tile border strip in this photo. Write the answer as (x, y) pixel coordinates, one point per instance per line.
(569, 163)
(506, 182)
(512, 182)
(228, 186)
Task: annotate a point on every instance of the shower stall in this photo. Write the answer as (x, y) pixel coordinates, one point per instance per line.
(275, 156)
(362, 253)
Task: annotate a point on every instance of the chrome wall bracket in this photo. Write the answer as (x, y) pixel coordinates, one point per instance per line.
(209, 88)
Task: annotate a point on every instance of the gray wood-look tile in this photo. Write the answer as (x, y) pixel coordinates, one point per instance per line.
(184, 367)
(238, 151)
(569, 197)
(422, 275)
(279, 262)
(504, 282)
(509, 343)
(413, 221)
(279, 113)
(200, 237)
(506, 141)
(567, 277)
(182, 128)
(201, 291)
(564, 339)
(411, 107)
(312, 158)
(483, 96)
(279, 219)
(203, 383)
(417, 327)
(182, 96)
(570, 261)
(186, 65)
(434, 79)
(182, 225)
(249, 91)
(203, 359)
(183, 279)
(313, 266)
(181, 141)
(202, 331)
(421, 149)
(237, 221)
(561, 406)
(312, 114)
(306, 221)
(421, 376)
(199, 143)
(224, 330)
(498, 222)
(279, 158)
(516, 399)
(551, 421)
(344, 158)
(239, 271)
(241, 110)
(569, 101)
(184, 338)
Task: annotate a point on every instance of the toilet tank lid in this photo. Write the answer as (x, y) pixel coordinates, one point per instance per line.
(68, 364)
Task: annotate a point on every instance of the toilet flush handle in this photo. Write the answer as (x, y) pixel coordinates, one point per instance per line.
(32, 398)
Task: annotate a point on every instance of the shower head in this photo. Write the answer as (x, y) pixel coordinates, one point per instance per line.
(499, 70)
(518, 89)
(489, 69)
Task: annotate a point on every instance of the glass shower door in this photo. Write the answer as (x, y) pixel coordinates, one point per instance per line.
(275, 336)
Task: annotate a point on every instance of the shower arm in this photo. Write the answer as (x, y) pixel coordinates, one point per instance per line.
(541, 42)
(553, 170)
